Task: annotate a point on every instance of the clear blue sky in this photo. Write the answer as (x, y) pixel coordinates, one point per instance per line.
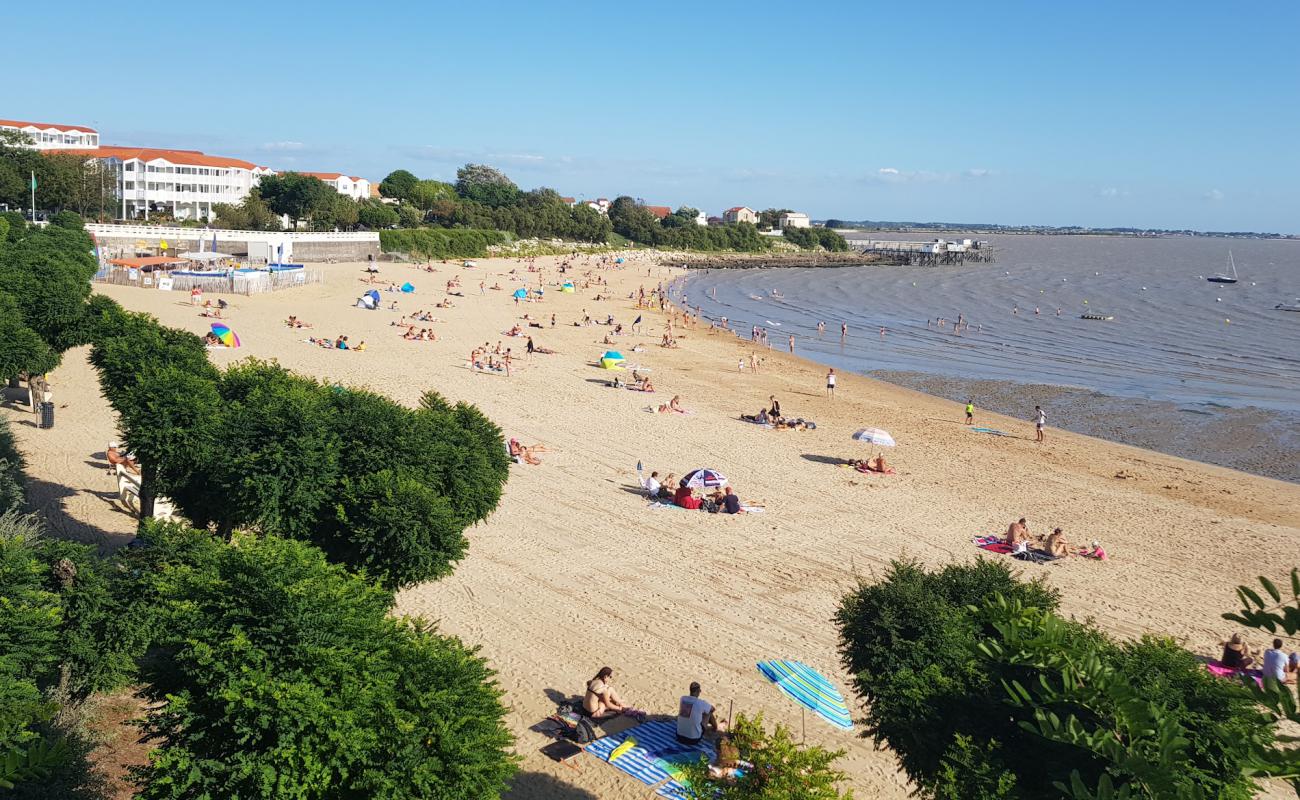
(1162, 114)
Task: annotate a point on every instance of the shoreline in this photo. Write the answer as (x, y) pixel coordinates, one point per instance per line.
(574, 571)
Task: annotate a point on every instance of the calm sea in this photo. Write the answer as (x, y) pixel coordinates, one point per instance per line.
(1175, 339)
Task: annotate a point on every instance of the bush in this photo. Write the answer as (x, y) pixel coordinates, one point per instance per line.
(434, 243)
(69, 220)
(12, 478)
(960, 668)
(812, 238)
(779, 768)
(283, 676)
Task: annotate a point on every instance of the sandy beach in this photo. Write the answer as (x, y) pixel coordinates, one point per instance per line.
(574, 571)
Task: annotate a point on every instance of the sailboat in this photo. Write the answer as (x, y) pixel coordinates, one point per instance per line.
(1222, 277)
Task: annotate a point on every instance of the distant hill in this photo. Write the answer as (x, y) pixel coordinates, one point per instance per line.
(988, 227)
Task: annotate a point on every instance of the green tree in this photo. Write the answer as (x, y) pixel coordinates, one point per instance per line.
(280, 675)
(298, 196)
(423, 194)
(409, 216)
(632, 220)
(252, 214)
(778, 768)
(770, 218)
(376, 215)
(22, 350)
(983, 691)
(12, 479)
(483, 184)
(398, 184)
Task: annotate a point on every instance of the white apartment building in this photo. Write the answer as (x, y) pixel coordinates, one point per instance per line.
(793, 219)
(50, 136)
(350, 185)
(183, 183)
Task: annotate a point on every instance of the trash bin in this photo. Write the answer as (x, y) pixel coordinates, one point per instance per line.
(47, 414)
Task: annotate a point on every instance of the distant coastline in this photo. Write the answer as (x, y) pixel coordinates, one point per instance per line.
(867, 226)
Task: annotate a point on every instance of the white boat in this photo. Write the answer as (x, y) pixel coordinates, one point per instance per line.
(1223, 277)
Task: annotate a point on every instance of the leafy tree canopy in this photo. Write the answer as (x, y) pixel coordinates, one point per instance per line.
(486, 185)
(398, 184)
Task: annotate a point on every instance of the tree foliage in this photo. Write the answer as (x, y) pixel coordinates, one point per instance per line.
(777, 768)
(983, 691)
(376, 215)
(280, 675)
(483, 184)
(297, 196)
(251, 214)
(64, 181)
(398, 184)
(440, 243)
(812, 238)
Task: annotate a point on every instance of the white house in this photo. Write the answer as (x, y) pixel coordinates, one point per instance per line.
(600, 204)
(49, 136)
(350, 185)
(184, 183)
(701, 218)
(793, 219)
(740, 214)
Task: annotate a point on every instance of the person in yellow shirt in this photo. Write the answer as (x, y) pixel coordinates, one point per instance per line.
(970, 412)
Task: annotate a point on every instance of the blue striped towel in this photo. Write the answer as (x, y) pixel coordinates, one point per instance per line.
(656, 751)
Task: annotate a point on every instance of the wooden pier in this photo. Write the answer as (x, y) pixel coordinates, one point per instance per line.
(935, 253)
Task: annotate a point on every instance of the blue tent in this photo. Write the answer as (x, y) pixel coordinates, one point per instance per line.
(407, 288)
(521, 293)
(373, 295)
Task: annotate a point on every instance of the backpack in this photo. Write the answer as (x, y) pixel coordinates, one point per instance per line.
(710, 505)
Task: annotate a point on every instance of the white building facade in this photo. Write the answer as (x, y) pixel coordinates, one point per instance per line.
(183, 183)
(349, 185)
(51, 136)
(740, 214)
(793, 219)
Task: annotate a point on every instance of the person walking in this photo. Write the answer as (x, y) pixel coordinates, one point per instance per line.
(830, 384)
(1040, 422)
(970, 412)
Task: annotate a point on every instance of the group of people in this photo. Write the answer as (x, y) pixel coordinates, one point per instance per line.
(1274, 663)
(722, 500)
(340, 343)
(696, 718)
(771, 415)
(214, 312)
(1054, 545)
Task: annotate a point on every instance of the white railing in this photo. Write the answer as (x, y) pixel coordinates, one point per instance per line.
(147, 232)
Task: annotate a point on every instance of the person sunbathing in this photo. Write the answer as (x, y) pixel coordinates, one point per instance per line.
(522, 454)
(1017, 532)
(1056, 546)
(600, 700)
(760, 418)
(646, 385)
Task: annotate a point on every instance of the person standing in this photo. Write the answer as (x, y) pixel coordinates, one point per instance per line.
(970, 412)
(830, 384)
(792, 344)
(1040, 422)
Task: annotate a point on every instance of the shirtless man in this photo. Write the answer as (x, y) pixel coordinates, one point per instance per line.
(1017, 532)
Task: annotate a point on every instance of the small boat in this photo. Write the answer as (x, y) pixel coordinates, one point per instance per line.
(1287, 307)
(1221, 277)
(777, 295)
(1102, 317)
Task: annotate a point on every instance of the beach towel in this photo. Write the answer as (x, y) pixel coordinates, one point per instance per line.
(753, 509)
(1002, 548)
(656, 755)
(989, 431)
(1217, 668)
(663, 504)
(868, 469)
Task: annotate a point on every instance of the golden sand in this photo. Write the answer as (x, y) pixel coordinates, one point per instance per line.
(574, 571)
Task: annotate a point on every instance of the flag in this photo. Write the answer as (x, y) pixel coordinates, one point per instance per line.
(33, 181)
(638, 320)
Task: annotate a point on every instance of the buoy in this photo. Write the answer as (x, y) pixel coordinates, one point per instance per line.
(1065, 280)
(1096, 273)
(913, 283)
(1218, 299)
(1144, 288)
(1085, 302)
(1006, 273)
(1227, 321)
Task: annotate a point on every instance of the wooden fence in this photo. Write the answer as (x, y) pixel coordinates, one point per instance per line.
(245, 283)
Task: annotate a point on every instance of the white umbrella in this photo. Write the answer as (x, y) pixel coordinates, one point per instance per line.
(874, 436)
(704, 479)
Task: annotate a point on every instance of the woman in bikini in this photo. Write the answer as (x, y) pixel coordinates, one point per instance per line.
(600, 699)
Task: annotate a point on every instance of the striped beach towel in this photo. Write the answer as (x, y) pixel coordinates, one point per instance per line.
(810, 689)
(655, 756)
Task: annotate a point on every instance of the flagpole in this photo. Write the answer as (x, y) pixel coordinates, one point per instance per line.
(33, 197)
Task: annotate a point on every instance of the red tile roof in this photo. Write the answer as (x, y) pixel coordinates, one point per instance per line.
(325, 176)
(188, 158)
(738, 208)
(568, 200)
(13, 123)
(659, 211)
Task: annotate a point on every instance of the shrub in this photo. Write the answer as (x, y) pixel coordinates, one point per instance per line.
(281, 675)
(779, 768)
(440, 242)
(11, 470)
(811, 238)
(983, 691)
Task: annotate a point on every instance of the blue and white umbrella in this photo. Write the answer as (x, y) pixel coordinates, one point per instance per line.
(874, 436)
(810, 689)
(703, 479)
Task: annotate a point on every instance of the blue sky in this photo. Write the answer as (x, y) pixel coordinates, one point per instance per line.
(1158, 114)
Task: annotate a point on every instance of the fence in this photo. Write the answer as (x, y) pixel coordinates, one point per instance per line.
(245, 283)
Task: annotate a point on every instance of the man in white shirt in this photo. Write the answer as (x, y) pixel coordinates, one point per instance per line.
(651, 485)
(1275, 663)
(694, 717)
(1040, 422)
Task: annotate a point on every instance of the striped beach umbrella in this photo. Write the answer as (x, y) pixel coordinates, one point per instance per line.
(810, 689)
(703, 479)
(874, 436)
(225, 334)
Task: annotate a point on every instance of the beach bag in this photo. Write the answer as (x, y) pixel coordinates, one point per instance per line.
(710, 506)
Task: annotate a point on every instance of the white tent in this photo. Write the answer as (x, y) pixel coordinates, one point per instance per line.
(206, 257)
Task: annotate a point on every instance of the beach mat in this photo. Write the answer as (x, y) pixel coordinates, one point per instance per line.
(655, 756)
(989, 431)
(1217, 669)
